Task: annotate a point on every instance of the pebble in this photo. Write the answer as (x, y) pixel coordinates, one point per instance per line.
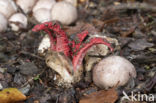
(1, 76)
(25, 89)
(1, 87)
(28, 69)
(3, 58)
(2, 70)
(19, 79)
(140, 44)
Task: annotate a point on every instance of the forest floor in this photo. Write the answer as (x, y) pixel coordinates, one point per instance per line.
(133, 25)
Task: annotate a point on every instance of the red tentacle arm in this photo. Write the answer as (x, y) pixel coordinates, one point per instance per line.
(77, 42)
(77, 58)
(42, 26)
(82, 36)
(62, 40)
(58, 39)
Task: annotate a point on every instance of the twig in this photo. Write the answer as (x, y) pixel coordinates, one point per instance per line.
(31, 54)
(124, 6)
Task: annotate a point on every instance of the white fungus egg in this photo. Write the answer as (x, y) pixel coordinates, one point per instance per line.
(26, 5)
(42, 15)
(3, 23)
(73, 2)
(44, 45)
(7, 8)
(112, 71)
(48, 4)
(18, 21)
(64, 12)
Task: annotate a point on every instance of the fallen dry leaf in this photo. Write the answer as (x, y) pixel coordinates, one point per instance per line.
(140, 44)
(80, 27)
(128, 33)
(100, 24)
(103, 96)
(11, 95)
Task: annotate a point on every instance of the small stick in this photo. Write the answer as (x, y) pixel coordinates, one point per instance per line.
(30, 54)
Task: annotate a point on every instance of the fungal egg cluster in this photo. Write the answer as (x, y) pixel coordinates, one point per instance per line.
(15, 13)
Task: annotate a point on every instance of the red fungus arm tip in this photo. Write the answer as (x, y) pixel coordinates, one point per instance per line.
(58, 38)
(77, 59)
(82, 36)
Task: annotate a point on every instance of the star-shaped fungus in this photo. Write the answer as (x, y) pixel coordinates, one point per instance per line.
(75, 48)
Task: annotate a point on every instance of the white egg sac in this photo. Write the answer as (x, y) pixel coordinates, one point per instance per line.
(18, 21)
(64, 12)
(7, 8)
(26, 5)
(3, 23)
(47, 4)
(42, 15)
(112, 71)
(44, 45)
(73, 2)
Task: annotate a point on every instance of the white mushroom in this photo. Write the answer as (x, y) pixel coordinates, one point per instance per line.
(63, 66)
(3, 23)
(18, 21)
(48, 4)
(26, 5)
(73, 2)
(7, 8)
(64, 12)
(42, 15)
(44, 45)
(113, 70)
